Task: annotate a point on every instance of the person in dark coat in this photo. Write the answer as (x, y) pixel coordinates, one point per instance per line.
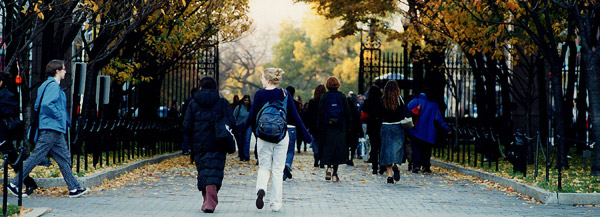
(355, 128)
(10, 107)
(333, 150)
(208, 155)
(313, 108)
(371, 107)
(185, 145)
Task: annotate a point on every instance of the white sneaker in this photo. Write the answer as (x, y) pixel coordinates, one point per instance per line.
(276, 207)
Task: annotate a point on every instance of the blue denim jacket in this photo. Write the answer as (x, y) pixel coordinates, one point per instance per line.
(53, 113)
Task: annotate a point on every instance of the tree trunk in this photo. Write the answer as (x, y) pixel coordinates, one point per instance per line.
(592, 60)
(542, 84)
(558, 113)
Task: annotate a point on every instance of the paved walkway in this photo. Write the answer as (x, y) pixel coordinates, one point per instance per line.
(308, 194)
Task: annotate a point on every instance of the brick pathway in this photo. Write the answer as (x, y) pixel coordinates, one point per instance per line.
(308, 194)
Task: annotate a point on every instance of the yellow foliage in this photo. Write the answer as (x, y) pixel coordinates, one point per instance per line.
(348, 70)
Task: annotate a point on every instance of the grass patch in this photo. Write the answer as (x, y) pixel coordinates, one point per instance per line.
(53, 171)
(576, 179)
(11, 210)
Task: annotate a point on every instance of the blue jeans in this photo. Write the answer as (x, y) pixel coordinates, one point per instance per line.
(246, 136)
(291, 146)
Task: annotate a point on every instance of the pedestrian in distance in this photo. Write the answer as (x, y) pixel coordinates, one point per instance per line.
(51, 104)
(244, 133)
(313, 108)
(371, 108)
(173, 111)
(295, 137)
(272, 110)
(335, 123)
(393, 110)
(355, 128)
(209, 155)
(9, 107)
(236, 101)
(185, 145)
(426, 115)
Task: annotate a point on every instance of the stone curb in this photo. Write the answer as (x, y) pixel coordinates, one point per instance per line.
(537, 193)
(98, 178)
(38, 211)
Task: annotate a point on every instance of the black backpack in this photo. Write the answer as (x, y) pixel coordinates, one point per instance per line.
(334, 108)
(271, 121)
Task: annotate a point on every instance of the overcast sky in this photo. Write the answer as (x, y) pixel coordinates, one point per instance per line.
(268, 14)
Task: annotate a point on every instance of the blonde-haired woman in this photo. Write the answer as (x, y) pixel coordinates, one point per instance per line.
(271, 156)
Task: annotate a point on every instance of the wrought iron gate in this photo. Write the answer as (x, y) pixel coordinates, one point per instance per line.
(187, 73)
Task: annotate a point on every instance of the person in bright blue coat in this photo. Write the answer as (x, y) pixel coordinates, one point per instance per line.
(424, 132)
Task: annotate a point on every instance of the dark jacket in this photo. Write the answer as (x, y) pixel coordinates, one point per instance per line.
(8, 107)
(372, 107)
(199, 125)
(311, 123)
(332, 146)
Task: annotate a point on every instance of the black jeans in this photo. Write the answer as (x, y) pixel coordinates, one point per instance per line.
(421, 153)
(375, 140)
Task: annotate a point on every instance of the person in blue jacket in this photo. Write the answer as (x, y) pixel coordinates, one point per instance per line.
(53, 123)
(424, 131)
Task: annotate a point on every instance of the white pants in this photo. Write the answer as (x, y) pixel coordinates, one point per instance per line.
(271, 158)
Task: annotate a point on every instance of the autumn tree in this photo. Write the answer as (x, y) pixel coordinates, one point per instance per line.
(241, 64)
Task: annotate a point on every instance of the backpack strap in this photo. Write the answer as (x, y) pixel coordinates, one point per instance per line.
(285, 99)
(41, 98)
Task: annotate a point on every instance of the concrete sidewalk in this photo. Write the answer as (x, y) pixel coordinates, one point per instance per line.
(308, 194)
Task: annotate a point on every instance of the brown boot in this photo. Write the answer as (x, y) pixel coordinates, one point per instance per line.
(210, 199)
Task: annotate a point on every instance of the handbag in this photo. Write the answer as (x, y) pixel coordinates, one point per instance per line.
(407, 122)
(32, 132)
(224, 134)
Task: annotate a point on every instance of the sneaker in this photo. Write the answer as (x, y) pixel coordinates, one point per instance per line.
(396, 172)
(14, 191)
(259, 200)
(29, 190)
(80, 192)
(426, 170)
(390, 180)
(287, 173)
(350, 163)
(276, 207)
